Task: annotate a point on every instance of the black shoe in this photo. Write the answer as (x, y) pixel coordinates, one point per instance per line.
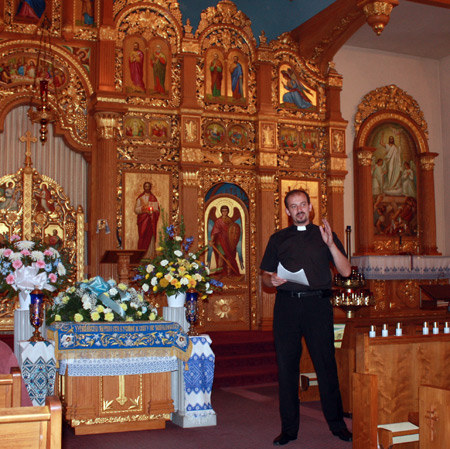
(344, 434)
(283, 439)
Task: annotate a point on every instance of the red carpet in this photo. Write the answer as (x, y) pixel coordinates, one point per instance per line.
(247, 418)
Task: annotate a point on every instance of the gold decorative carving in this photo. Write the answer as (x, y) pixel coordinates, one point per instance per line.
(395, 99)
(364, 158)
(268, 135)
(338, 163)
(268, 159)
(107, 33)
(190, 47)
(107, 125)
(191, 131)
(191, 155)
(337, 141)
(334, 79)
(119, 419)
(427, 162)
(377, 14)
(190, 179)
(267, 182)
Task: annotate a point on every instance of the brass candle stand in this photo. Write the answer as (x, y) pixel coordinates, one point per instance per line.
(350, 294)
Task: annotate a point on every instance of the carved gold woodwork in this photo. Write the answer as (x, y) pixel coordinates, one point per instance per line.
(190, 179)
(107, 125)
(334, 79)
(30, 219)
(268, 135)
(337, 141)
(338, 163)
(267, 182)
(336, 185)
(395, 99)
(364, 158)
(72, 97)
(427, 162)
(268, 159)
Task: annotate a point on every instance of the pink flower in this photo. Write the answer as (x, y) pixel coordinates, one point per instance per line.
(40, 264)
(10, 279)
(14, 237)
(25, 252)
(17, 264)
(53, 278)
(7, 252)
(47, 252)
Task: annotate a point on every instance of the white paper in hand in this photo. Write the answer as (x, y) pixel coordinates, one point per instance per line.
(298, 277)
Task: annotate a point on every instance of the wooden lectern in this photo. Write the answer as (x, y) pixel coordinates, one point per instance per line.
(434, 296)
(123, 258)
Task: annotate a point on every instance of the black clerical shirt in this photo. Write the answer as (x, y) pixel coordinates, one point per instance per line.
(295, 250)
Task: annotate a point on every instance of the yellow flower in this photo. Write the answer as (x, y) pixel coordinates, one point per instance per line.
(95, 316)
(178, 284)
(57, 317)
(65, 299)
(100, 308)
(152, 316)
(109, 316)
(174, 281)
(159, 275)
(122, 287)
(129, 318)
(192, 283)
(147, 276)
(155, 288)
(160, 248)
(163, 283)
(204, 297)
(139, 313)
(78, 317)
(124, 306)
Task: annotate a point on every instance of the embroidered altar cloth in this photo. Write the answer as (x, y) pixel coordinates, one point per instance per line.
(403, 267)
(127, 340)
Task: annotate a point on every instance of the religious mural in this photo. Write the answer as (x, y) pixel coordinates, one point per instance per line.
(146, 196)
(294, 93)
(146, 67)
(394, 180)
(225, 228)
(85, 13)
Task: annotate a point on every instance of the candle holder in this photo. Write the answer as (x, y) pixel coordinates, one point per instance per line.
(191, 305)
(36, 314)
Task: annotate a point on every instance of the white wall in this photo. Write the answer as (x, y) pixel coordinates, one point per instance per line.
(365, 70)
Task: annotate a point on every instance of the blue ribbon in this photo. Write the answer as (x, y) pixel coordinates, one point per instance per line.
(99, 287)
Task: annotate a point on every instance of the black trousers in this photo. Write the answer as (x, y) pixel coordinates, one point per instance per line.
(312, 318)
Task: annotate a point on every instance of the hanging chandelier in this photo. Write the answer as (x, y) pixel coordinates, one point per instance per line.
(378, 13)
(43, 113)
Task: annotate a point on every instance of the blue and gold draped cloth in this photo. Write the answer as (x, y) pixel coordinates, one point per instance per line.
(119, 340)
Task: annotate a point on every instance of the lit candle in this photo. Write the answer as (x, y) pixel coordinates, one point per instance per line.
(435, 328)
(398, 330)
(446, 328)
(372, 332)
(425, 329)
(384, 331)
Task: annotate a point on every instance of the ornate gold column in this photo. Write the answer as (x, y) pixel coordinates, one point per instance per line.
(266, 227)
(103, 192)
(427, 214)
(188, 202)
(363, 200)
(107, 57)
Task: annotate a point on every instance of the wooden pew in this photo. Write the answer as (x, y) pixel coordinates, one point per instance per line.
(389, 372)
(11, 388)
(32, 427)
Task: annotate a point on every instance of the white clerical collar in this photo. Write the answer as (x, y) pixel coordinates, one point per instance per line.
(301, 228)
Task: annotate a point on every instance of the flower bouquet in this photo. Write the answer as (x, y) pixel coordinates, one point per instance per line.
(176, 269)
(97, 300)
(26, 265)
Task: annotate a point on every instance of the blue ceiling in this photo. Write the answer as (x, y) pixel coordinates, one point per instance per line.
(274, 17)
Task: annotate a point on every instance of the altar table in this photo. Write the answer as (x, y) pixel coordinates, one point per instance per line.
(132, 396)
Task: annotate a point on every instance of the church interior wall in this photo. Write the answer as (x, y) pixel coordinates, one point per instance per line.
(444, 70)
(364, 70)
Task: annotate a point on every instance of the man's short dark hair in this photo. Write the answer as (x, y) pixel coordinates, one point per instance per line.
(296, 192)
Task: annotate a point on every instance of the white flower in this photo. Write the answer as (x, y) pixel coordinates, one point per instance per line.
(195, 265)
(178, 253)
(164, 262)
(145, 287)
(154, 281)
(61, 269)
(184, 281)
(192, 256)
(15, 256)
(207, 286)
(37, 255)
(24, 244)
(113, 292)
(149, 268)
(107, 310)
(178, 238)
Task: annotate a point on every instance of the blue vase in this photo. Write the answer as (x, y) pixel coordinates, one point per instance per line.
(192, 310)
